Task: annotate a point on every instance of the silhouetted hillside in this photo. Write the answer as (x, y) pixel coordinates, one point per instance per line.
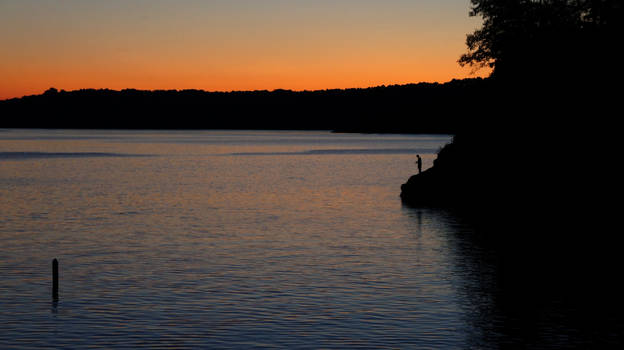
(554, 102)
(542, 186)
(423, 108)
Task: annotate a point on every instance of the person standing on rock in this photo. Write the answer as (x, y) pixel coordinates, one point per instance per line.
(419, 162)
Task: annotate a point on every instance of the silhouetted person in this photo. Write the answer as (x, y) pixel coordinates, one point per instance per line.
(419, 162)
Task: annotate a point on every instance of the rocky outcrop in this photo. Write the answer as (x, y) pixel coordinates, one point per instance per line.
(460, 177)
(426, 189)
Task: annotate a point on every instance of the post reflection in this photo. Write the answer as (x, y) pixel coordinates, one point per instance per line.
(54, 307)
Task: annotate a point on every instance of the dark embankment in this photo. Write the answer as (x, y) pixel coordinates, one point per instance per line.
(416, 108)
(543, 184)
(544, 200)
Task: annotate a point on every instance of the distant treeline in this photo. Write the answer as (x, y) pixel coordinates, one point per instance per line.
(412, 108)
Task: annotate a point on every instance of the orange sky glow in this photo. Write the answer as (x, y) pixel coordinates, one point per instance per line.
(229, 45)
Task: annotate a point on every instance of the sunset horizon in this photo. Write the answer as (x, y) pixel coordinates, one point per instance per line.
(60, 89)
(230, 46)
(310, 174)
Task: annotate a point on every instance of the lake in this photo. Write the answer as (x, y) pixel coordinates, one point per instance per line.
(239, 239)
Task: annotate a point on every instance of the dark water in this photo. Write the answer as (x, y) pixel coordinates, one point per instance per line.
(244, 240)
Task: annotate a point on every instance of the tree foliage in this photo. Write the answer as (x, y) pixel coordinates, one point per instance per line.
(520, 36)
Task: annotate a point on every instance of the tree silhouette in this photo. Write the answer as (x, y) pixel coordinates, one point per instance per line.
(549, 110)
(543, 37)
(535, 175)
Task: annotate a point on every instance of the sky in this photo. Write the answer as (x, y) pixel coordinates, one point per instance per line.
(225, 45)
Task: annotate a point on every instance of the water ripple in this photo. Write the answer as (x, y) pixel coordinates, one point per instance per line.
(39, 155)
(370, 151)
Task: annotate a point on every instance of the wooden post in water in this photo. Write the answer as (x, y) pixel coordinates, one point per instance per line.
(55, 280)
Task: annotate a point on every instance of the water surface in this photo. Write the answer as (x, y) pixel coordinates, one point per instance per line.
(235, 239)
